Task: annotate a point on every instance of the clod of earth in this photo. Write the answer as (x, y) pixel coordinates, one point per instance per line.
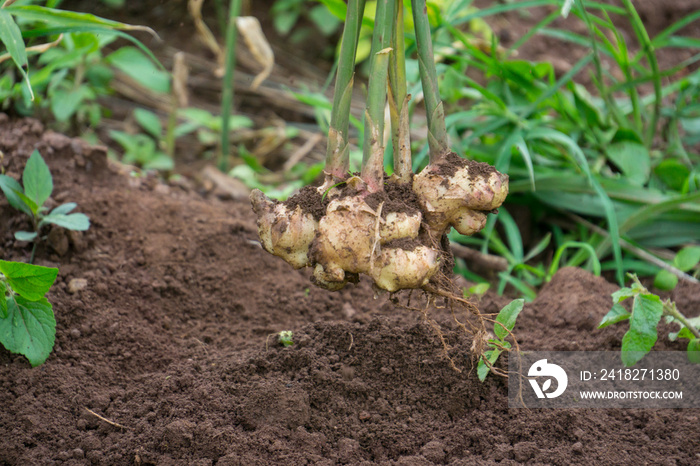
(393, 240)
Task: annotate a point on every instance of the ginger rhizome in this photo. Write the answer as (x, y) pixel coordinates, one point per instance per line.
(388, 228)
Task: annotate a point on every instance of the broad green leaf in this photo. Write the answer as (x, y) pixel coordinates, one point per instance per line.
(616, 314)
(37, 180)
(3, 300)
(130, 142)
(622, 294)
(687, 258)
(336, 7)
(11, 188)
(33, 207)
(324, 20)
(77, 222)
(694, 350)
(64, 103)
(482, 370)
(136, 65)
(64, 208)
(665, 280)
(685, 332)
(29, 329)
(284, 21)
(25, 235)
(682, 333)
(632, 159)
(159, 161)
(11, 37)
(480, 288)
(507, 317)
(641, 337)
(673, 173)
(28, 280)
(150, 122)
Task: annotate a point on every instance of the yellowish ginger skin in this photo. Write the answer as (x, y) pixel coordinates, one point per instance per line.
(461, 200)
(353, 237)
(283, 232)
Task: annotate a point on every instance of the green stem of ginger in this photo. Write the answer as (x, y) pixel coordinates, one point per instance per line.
(398, 103)
(437, 132)
(337, 152)
(373, 148)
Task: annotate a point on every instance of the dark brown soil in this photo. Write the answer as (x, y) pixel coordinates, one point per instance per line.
(170, 343)
(448, 166)
(310, 201)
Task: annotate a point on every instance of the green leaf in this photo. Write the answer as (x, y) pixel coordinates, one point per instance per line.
(64, 208)
(3, 300)
(77, 222)
(337, 8)
(324, 20)
(682, 333)
(641, 337)
(479, 289)
(29, 281)
(29, 329)
(507, 317)
(586, 106)
(665, 280)
(694, 350)
(12, 188)
(11, 36)
(69, 18)
(64, 103)
(150, 122)
(685, 332)
(159, 161)
(284, 21)
(37, 180)
(33, 207)
(616, 314)
(673, 173)
(482, 370)
(136, 65)
(25, 235)
(622, 294)
(632, 159)
(687, 258)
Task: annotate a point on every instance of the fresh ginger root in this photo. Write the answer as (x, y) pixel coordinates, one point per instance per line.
(394, 243)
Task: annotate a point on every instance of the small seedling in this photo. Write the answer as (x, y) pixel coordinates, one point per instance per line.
(285, 338)
(38, 186)
(502, 327)
(27, 323)
(478, 290)
(686, 260)
(647, 310)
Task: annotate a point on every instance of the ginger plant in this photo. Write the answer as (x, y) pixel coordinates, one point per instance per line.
(389, 228)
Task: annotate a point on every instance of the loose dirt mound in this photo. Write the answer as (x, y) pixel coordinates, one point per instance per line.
(169, 342)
